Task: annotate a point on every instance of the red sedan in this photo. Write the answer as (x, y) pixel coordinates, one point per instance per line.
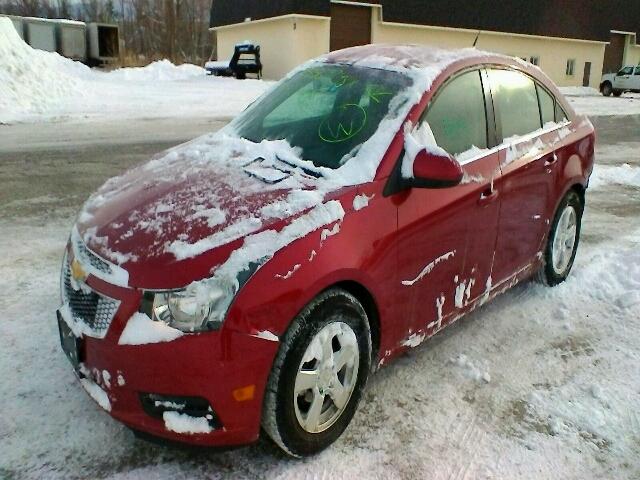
(255, 277)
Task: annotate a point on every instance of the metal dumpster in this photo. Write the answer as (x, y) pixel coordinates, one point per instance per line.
(72, 39)
(104, 42)
(40, 33)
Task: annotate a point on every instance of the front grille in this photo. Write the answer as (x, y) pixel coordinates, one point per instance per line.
(87, 256)
(88, 307)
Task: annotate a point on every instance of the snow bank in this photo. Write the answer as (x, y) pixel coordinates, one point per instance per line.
(624, 174)
(33, 80)
(141, 330)
(160, 71)
(37, 86)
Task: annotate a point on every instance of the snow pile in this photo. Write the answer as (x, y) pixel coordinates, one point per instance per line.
(32, 80)
(471, 369)
(160, 71)
(38, 86)
(141, 330)
(183, 423)
(624, 174)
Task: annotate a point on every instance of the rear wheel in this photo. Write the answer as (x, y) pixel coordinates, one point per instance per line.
(318, 375)
(607, 89)
(562, 244)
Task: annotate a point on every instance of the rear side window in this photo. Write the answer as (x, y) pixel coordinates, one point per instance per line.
(547, 105)
(457, 116)
(515, 97)
(560, 115)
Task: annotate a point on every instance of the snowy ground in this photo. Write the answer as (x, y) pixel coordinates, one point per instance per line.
(591, 102)
(563, 364)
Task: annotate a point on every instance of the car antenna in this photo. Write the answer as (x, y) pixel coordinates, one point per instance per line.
(475, 42)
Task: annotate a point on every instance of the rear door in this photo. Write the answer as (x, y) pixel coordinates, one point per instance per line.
(446, 236)
(527, 160)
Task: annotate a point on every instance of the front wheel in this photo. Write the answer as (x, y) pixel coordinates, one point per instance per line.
(607, 89)
(562, 244)
(318, 375)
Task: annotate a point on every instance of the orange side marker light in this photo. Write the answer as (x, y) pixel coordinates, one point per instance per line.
(243, 394)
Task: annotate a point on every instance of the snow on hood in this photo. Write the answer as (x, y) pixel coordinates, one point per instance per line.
(196, 197)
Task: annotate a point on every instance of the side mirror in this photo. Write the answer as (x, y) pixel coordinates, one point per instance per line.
(429, 167)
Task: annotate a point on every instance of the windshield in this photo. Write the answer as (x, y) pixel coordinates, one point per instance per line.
(328, 111)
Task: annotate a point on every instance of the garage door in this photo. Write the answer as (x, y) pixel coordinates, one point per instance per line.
(350, 26)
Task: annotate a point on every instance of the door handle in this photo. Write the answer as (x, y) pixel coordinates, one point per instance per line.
(551, 159)
(487, 197)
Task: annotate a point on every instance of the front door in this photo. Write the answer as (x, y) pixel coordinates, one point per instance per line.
(623, 80)
(446, 237)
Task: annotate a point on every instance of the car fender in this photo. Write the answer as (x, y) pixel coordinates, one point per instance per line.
(296, 274)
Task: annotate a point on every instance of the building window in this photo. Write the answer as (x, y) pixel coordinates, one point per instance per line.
(534, 60)
(571, 67)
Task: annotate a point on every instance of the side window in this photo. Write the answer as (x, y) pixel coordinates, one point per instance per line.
(457, 116)
(516, 100)
(637, 71)
(560, 115)
(626, 71)
(547, 105)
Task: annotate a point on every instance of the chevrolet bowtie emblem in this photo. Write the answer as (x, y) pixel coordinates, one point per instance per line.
(78, 274)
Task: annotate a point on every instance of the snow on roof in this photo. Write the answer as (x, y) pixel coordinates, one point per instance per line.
(405, 57)
(69, 22)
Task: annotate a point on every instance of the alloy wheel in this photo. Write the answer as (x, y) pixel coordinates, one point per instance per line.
(326, 377)
(564, 240)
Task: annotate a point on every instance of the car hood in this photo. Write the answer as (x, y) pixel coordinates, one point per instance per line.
(159, 220)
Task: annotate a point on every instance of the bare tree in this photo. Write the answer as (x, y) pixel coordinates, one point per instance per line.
(151, 29)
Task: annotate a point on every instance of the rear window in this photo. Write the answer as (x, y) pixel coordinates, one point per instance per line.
(516, 100)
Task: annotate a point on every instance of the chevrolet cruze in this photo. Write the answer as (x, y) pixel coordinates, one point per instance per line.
(252, 279)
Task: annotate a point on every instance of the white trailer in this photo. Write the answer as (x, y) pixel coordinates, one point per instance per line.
(72, 39)
(104, 42)
(17, 23)
(40, 33)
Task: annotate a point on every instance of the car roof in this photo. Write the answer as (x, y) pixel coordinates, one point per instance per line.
(427, 63)
(411, 57)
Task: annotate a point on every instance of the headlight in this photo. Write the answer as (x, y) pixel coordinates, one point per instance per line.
(201, 306)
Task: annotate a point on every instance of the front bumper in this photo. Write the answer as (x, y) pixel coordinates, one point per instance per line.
(213, 366)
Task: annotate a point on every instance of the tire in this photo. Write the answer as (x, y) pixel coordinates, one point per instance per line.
(607, 89)
(617, 93)
(557, 257)
(333, 319)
